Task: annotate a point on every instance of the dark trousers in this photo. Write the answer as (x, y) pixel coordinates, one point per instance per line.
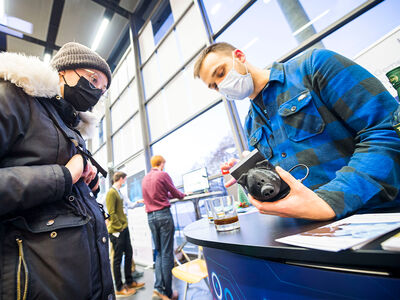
(122, 245)
(163, 230)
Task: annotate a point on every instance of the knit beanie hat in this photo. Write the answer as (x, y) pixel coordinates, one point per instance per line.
(76, 56)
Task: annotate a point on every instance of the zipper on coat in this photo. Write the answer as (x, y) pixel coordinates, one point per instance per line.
(21, 263)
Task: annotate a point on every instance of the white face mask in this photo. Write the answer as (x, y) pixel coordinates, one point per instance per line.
(236, 86)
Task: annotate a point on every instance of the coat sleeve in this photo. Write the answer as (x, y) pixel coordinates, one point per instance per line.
(371, 177)
(23, 187)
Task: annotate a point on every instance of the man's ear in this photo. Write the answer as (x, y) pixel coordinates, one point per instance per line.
(239, 55)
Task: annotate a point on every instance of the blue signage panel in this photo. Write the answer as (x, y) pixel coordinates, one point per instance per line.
(234, 276)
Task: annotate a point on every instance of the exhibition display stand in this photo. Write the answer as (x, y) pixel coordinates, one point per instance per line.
(248, 263)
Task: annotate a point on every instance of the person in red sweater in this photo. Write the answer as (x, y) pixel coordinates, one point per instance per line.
(157, 189)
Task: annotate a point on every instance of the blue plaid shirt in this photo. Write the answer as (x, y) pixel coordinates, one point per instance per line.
(325, 111)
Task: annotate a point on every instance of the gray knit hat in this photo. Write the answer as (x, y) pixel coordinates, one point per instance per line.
(76, 56)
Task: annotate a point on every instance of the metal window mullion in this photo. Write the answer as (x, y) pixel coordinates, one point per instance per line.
(236, 127)
(108, 141)
(230, 107)
(206, 21)
(134, 40)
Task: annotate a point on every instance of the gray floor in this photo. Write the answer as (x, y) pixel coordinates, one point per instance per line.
(197, 291)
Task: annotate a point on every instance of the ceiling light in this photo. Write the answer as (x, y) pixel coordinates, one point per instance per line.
(310, 23)
(100, 33)
(215, 8)
(251, 43)
(46, 57)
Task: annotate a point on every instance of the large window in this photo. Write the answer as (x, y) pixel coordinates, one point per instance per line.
(279, 26)
(191, 33)
(122, 75)
(181, 98)
(162, 21)
(168, 56)
(101, 157)
(179, 6)
(100, 136)
(125, 107)
(179, 46)
(205, 141)
(220, 12)
(151, 76)
(127, 141)
(352, 38)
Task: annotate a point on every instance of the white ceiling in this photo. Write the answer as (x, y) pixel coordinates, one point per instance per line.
(79, 22)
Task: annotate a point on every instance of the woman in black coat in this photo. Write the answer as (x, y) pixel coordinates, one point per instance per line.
(53, 239)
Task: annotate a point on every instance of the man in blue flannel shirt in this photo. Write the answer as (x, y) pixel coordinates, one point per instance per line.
(321, 110)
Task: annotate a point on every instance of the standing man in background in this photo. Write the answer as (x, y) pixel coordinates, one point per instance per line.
(158, 188)
(120, 239)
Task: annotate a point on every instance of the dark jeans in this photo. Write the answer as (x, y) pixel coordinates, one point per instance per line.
(163, 229)
(121, 245)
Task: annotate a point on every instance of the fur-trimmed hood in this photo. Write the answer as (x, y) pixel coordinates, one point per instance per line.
(39, 79)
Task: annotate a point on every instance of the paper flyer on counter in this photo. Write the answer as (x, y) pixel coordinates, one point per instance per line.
(352, 232)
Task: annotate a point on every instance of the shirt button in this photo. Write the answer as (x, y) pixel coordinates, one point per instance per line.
(301, 97)
(53, 235)
(265, 111)
(293, 108)
(50, 222)
(284, 154)
(91, 194)
(104, 239)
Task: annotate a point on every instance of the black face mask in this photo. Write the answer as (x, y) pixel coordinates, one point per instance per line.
(82, 96)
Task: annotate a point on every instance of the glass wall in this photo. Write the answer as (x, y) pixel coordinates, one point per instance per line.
(204, 142)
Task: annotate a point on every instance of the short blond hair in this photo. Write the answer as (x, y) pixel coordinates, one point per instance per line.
(157, 160)
(217, 47)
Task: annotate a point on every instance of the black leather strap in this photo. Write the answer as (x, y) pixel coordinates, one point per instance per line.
(81, 151)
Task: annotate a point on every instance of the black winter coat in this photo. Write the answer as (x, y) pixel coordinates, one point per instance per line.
(53, 239)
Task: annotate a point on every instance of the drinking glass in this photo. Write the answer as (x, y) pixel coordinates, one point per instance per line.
(224, 213)
(210, 217)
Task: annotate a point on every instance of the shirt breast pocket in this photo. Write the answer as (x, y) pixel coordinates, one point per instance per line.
(301, 118)
(258, 139)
